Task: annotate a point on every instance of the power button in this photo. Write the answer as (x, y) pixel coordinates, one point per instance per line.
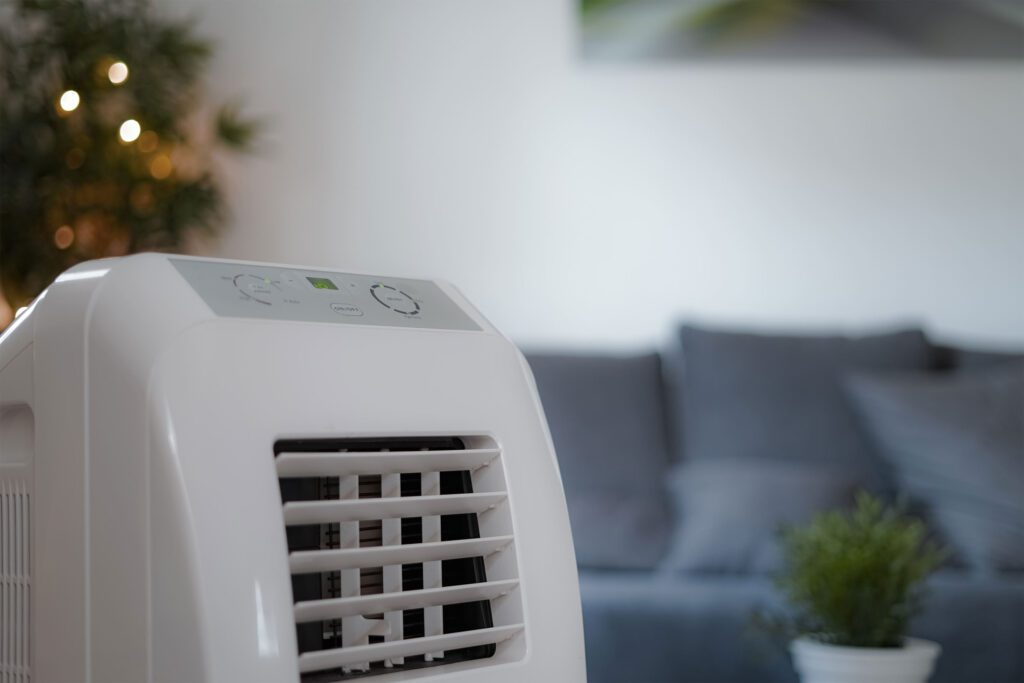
(347, 309)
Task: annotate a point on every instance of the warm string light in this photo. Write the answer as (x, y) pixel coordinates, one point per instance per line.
(64, 237)
(69, 100)
(130, 130)
(161, 166)
(118, 73)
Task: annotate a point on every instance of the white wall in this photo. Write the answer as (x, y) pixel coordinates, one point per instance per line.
(591, 205)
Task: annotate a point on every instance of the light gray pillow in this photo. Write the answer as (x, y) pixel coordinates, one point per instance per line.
(729, 512)
(957, 444)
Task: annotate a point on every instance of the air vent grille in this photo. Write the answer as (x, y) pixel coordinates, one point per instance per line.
(401, 553)
(15, 584)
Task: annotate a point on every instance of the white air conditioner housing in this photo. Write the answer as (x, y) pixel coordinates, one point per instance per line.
(216, 471)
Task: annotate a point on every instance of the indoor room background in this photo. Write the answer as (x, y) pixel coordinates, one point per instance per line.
(756, 407)
(592, 204)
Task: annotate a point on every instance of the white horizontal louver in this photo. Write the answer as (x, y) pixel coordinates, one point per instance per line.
(366, 541)
(390, 462)
(361, 558)
(367, 604)
(325, 659)
(388, 508)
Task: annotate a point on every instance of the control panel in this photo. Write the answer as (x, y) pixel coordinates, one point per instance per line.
(271, 292)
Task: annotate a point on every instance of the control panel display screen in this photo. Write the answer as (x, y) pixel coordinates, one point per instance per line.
(321, 283)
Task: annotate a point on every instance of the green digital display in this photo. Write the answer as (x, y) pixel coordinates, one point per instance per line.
(321, 283)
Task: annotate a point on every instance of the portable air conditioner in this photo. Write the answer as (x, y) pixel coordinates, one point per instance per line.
(216, 471)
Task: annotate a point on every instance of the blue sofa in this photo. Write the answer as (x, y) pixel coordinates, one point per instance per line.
(617, 424)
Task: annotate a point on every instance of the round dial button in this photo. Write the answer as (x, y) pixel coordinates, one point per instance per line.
(259, 289)
(395, 299)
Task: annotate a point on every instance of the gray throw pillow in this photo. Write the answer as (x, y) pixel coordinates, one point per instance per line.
(607, 421)
(729, 513)
(957, 444)
(781, 397)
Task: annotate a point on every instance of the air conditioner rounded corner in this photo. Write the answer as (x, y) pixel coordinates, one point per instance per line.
(20, 333)
(464, 303)
(96, 265)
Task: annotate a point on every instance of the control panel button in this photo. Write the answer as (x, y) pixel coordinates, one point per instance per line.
(347, 309)
(256, 288)
(395, 299)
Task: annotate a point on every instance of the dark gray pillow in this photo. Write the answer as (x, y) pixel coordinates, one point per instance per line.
(957, 444)
(607, 421)
(729, 512)
(781, 397)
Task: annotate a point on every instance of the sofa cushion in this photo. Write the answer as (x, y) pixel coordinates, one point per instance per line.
(954, 605)
(697, 629)
(729, 512)
(607, 421)
(957, 443)
(678, 629)
(781, 396)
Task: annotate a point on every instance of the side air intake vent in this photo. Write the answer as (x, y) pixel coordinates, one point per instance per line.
(14, 583)
(401, 553)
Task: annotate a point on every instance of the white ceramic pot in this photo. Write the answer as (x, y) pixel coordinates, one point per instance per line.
(820, 663)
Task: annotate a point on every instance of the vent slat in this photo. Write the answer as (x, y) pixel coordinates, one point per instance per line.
(317, 610)
(325, 512)
(329, 659)
(320, 464)
(307, 561)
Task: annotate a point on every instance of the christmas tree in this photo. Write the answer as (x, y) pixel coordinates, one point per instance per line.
(105, 143)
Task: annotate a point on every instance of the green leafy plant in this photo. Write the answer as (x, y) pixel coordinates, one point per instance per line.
(105, 140)
(856, 577)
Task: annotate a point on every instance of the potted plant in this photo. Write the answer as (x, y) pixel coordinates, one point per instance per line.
(853, 580)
